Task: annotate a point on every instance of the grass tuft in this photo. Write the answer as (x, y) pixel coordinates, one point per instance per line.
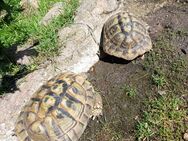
(108, 133)
(23, 27)
(130, 91)
(163, 119)
(158, 80)
(165, 116)
(19, 26)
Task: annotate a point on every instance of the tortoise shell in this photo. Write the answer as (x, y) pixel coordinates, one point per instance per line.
(125, 36)
(58, 111)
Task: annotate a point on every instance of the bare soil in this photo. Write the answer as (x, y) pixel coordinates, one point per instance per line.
(110, 75)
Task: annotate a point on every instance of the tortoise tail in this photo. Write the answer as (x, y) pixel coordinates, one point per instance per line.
(20, 130)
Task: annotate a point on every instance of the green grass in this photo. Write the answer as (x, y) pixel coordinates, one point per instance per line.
(164, 116)
(158, 80)
(166, 67)
(108, 133)
(130, 91)
(17, 27)
(26, 26)
(163, 120)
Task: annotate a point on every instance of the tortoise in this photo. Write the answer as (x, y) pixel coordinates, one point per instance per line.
(59, 110)
(124, 36)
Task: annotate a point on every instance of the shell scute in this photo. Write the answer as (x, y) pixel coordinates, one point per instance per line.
(58, 111)
(125, 36)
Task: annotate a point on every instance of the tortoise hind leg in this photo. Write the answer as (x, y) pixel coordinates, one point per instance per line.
(97, 109)
(97, 103)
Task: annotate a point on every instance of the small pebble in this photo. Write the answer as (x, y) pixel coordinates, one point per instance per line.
(161, 92)
(185, 136)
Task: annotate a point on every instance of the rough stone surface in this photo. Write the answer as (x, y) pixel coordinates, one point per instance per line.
(54, 12)
(79, 45)
(3, 13)
(27, 4)
(92, 14)
(80, 49)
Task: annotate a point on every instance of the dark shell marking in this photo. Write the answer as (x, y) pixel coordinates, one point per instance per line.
(58, 111)
(125, 36)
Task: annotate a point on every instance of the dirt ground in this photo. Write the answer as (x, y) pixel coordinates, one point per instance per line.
(110, 75)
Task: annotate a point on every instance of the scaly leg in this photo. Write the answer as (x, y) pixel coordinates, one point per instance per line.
(97, 109)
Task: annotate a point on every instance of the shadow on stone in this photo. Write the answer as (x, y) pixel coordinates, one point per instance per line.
(8, 59)
(20, 56)
(8, 82)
